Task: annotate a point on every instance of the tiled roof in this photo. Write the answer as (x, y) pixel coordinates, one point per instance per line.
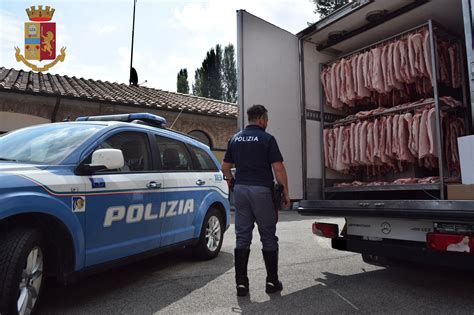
(115, 93)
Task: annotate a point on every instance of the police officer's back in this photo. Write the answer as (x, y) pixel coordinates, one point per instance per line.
(256, 157)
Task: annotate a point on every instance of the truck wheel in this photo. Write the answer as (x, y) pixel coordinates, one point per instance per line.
(376, 260)
(21, 270)
(212, 236)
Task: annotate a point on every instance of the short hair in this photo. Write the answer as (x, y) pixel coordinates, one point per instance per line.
(255, 112)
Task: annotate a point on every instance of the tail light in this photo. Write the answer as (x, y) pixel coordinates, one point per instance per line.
(450, 242)
(326, 229)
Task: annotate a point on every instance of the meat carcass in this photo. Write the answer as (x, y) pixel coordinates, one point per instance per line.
(427, 55)
(363, 143)
(335, 85)
(377, 74)
(388, 142)
(397, 62)
(352, 143)
(403, 139)
(423, 140)
(331, 148)
(362, 90)
(357, 143)
(432, 130)
(404, 62)
(370, 143)
(326, 147)
(326, 83)
(346, 153)
(415, 134)
(455, 68)
(395, 140)
(404, 181)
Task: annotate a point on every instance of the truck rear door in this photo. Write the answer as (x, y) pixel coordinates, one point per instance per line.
(468, 16)
(269, 74)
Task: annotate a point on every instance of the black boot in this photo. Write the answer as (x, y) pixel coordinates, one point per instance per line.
(271, 263)
(241, 257)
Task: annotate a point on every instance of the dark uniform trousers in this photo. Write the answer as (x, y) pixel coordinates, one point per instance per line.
(255, 204)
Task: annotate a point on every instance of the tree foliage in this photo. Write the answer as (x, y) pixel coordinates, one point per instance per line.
(197, 90)
(229, 74)
(182, 81)
(326, 7)
(217, 78)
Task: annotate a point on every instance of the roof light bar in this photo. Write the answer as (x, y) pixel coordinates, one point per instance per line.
(145, 117)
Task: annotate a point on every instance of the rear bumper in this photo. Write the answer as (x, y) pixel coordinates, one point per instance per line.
(411, 252)
(406, 209)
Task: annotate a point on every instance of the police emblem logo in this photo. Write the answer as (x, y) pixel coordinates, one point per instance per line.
(78, 204)
(40, 39)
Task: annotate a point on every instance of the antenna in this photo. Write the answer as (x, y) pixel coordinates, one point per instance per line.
(133, 73)
(143, 82)
(171, 127)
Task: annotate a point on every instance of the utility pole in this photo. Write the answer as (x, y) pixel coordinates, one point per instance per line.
(133, 79)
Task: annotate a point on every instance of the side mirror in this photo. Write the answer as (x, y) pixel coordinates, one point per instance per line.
(102, 159)
(109, 158)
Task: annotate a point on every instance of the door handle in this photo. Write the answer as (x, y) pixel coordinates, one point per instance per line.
(153, 185)
(200, 182)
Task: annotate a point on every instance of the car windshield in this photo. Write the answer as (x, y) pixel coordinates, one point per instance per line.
(45, 144)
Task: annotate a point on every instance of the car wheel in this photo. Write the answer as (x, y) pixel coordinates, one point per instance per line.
(21, 270)
(211, 237)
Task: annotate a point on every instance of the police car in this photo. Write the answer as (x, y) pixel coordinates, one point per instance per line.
(76, 196)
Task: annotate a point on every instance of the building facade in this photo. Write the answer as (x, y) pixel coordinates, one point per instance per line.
(28, 98)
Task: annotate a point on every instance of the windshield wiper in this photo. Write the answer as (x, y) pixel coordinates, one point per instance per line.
(9, 160)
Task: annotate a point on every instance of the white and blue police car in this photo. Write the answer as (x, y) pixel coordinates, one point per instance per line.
(76, 196)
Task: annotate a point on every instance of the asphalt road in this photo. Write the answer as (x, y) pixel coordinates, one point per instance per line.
(316, 279)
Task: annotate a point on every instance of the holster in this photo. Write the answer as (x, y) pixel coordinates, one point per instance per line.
(277, 192)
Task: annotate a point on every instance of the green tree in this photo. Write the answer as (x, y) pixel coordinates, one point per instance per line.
(326, 7)
(197, 90)
(182, 82)
(229, 72)
(208, 78)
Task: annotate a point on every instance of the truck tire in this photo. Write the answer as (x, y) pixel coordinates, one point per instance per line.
(376, 260)
(211, 237)
(21, 270)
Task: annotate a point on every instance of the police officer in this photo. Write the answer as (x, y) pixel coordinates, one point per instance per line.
(255, 154)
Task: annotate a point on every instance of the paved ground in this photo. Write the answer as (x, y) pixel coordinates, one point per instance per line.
(316, 279)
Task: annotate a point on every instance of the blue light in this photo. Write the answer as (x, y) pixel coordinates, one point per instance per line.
(145, 117)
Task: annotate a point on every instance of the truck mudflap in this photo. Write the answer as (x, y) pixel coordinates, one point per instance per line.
(405, 251)
(413, 209)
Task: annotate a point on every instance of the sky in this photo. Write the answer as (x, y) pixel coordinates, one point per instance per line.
(169, 35)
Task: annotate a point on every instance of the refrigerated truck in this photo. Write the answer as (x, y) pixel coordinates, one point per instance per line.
(281, 70)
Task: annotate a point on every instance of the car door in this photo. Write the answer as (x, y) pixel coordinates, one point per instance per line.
(122, 216)
(183, 191)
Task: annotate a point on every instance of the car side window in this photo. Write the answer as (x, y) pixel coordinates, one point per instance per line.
(173, 154)
(135, 148)
(204, 161)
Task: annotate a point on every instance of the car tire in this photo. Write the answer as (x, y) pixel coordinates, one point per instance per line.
(211, 237)
(21, 270)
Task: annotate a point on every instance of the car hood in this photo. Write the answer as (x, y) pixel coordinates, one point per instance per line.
(19, 176)
(20, 167)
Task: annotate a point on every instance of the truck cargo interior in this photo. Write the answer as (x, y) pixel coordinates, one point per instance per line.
(336, 116)
(357, 33)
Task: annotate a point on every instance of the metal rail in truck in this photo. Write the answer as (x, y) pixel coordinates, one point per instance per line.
(281, 70)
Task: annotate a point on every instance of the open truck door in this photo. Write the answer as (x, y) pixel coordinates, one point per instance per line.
(468, 17)
(269, 74)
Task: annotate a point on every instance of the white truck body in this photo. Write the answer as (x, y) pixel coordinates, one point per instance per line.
(281, 71)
